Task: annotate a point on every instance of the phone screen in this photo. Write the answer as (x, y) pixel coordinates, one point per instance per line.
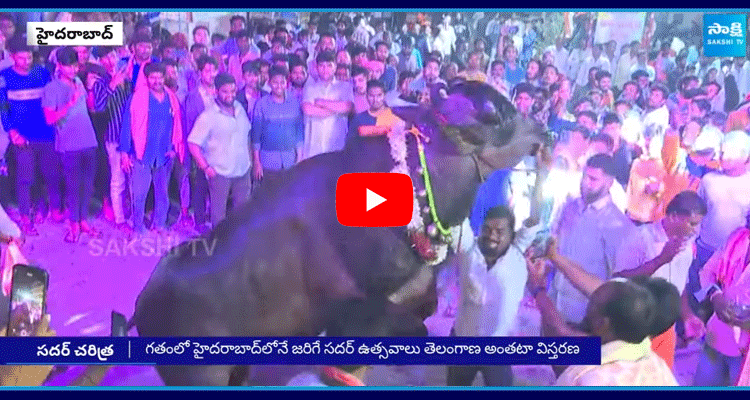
(119, 324)
(28, 298)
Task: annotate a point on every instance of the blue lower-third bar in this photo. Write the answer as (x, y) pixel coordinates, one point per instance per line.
(301, 351)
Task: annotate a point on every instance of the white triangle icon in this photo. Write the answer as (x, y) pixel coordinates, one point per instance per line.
(373, 200)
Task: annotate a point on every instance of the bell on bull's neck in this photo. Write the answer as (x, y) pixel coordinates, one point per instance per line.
(432, 230)
(426, 209)
(422, 193)
(420, 170)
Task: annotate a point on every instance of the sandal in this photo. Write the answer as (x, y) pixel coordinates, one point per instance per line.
(91, 231)
(72, 237)
(28, 229)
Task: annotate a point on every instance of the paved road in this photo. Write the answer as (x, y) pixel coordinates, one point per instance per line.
(90, 279)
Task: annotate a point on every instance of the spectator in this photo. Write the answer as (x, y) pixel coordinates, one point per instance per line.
(727, 194)
(197, 101)
(596, 60)
(251, 92)
(550, 76)
(151, 138)
(219, 145)
(231, 46)
(533, 72)
(359, 83)
(327, 42)
(664, 249)
(583, 89)
(326, 104)
(403, 95)
(473, 70)
(590, 230)
(244, 55)
(407, 61)
(429, 77)
(642, 65)
(201, 35)
(497, 78)
(32, 138)
(6, 60)
(382, 52)
(724, 281)
(628, 58)
(624, 314)
(64, 105)
(343, 73)
(297, 79)
(277, 130)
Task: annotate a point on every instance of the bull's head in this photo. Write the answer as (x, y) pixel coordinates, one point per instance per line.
(475, 120)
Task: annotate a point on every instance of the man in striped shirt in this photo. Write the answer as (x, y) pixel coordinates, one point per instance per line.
(111, 97)
(33, 140)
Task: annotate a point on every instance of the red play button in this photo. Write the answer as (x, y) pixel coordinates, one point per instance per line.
(374, 199)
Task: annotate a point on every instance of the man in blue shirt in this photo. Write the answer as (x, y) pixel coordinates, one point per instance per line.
(156, 163)
(21, 88)
(277, 130)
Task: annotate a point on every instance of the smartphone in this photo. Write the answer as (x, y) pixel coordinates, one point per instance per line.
(119, 324)
(28, 299)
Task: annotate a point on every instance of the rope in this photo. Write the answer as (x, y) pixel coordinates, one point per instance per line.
(428, 188)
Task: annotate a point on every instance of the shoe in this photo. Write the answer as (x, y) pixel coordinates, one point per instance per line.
(72, 236)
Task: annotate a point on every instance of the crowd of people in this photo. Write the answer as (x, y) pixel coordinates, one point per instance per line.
(632, 226)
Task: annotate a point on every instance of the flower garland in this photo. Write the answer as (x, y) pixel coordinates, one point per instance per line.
(397, 142)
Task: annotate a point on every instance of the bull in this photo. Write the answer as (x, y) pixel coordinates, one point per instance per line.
(284, 266)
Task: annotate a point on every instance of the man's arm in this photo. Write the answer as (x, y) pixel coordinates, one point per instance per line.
(312, 110)
(582, 280)
(335, 106)
(49, 104)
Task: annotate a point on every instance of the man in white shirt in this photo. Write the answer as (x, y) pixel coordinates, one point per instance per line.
(493, 284)
(219, 144)
(656, 120)
(362, 31)
(448, 37)
(560, 54)
(596, 59)
(642, 65)
(627, 59)
(664, 249)
(326, 106)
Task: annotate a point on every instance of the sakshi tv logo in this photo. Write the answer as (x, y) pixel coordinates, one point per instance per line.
(725, 35)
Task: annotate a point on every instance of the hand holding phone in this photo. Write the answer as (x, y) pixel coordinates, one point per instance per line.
(28, 298)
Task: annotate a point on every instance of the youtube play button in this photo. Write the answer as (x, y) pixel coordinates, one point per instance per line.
(374, 199)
